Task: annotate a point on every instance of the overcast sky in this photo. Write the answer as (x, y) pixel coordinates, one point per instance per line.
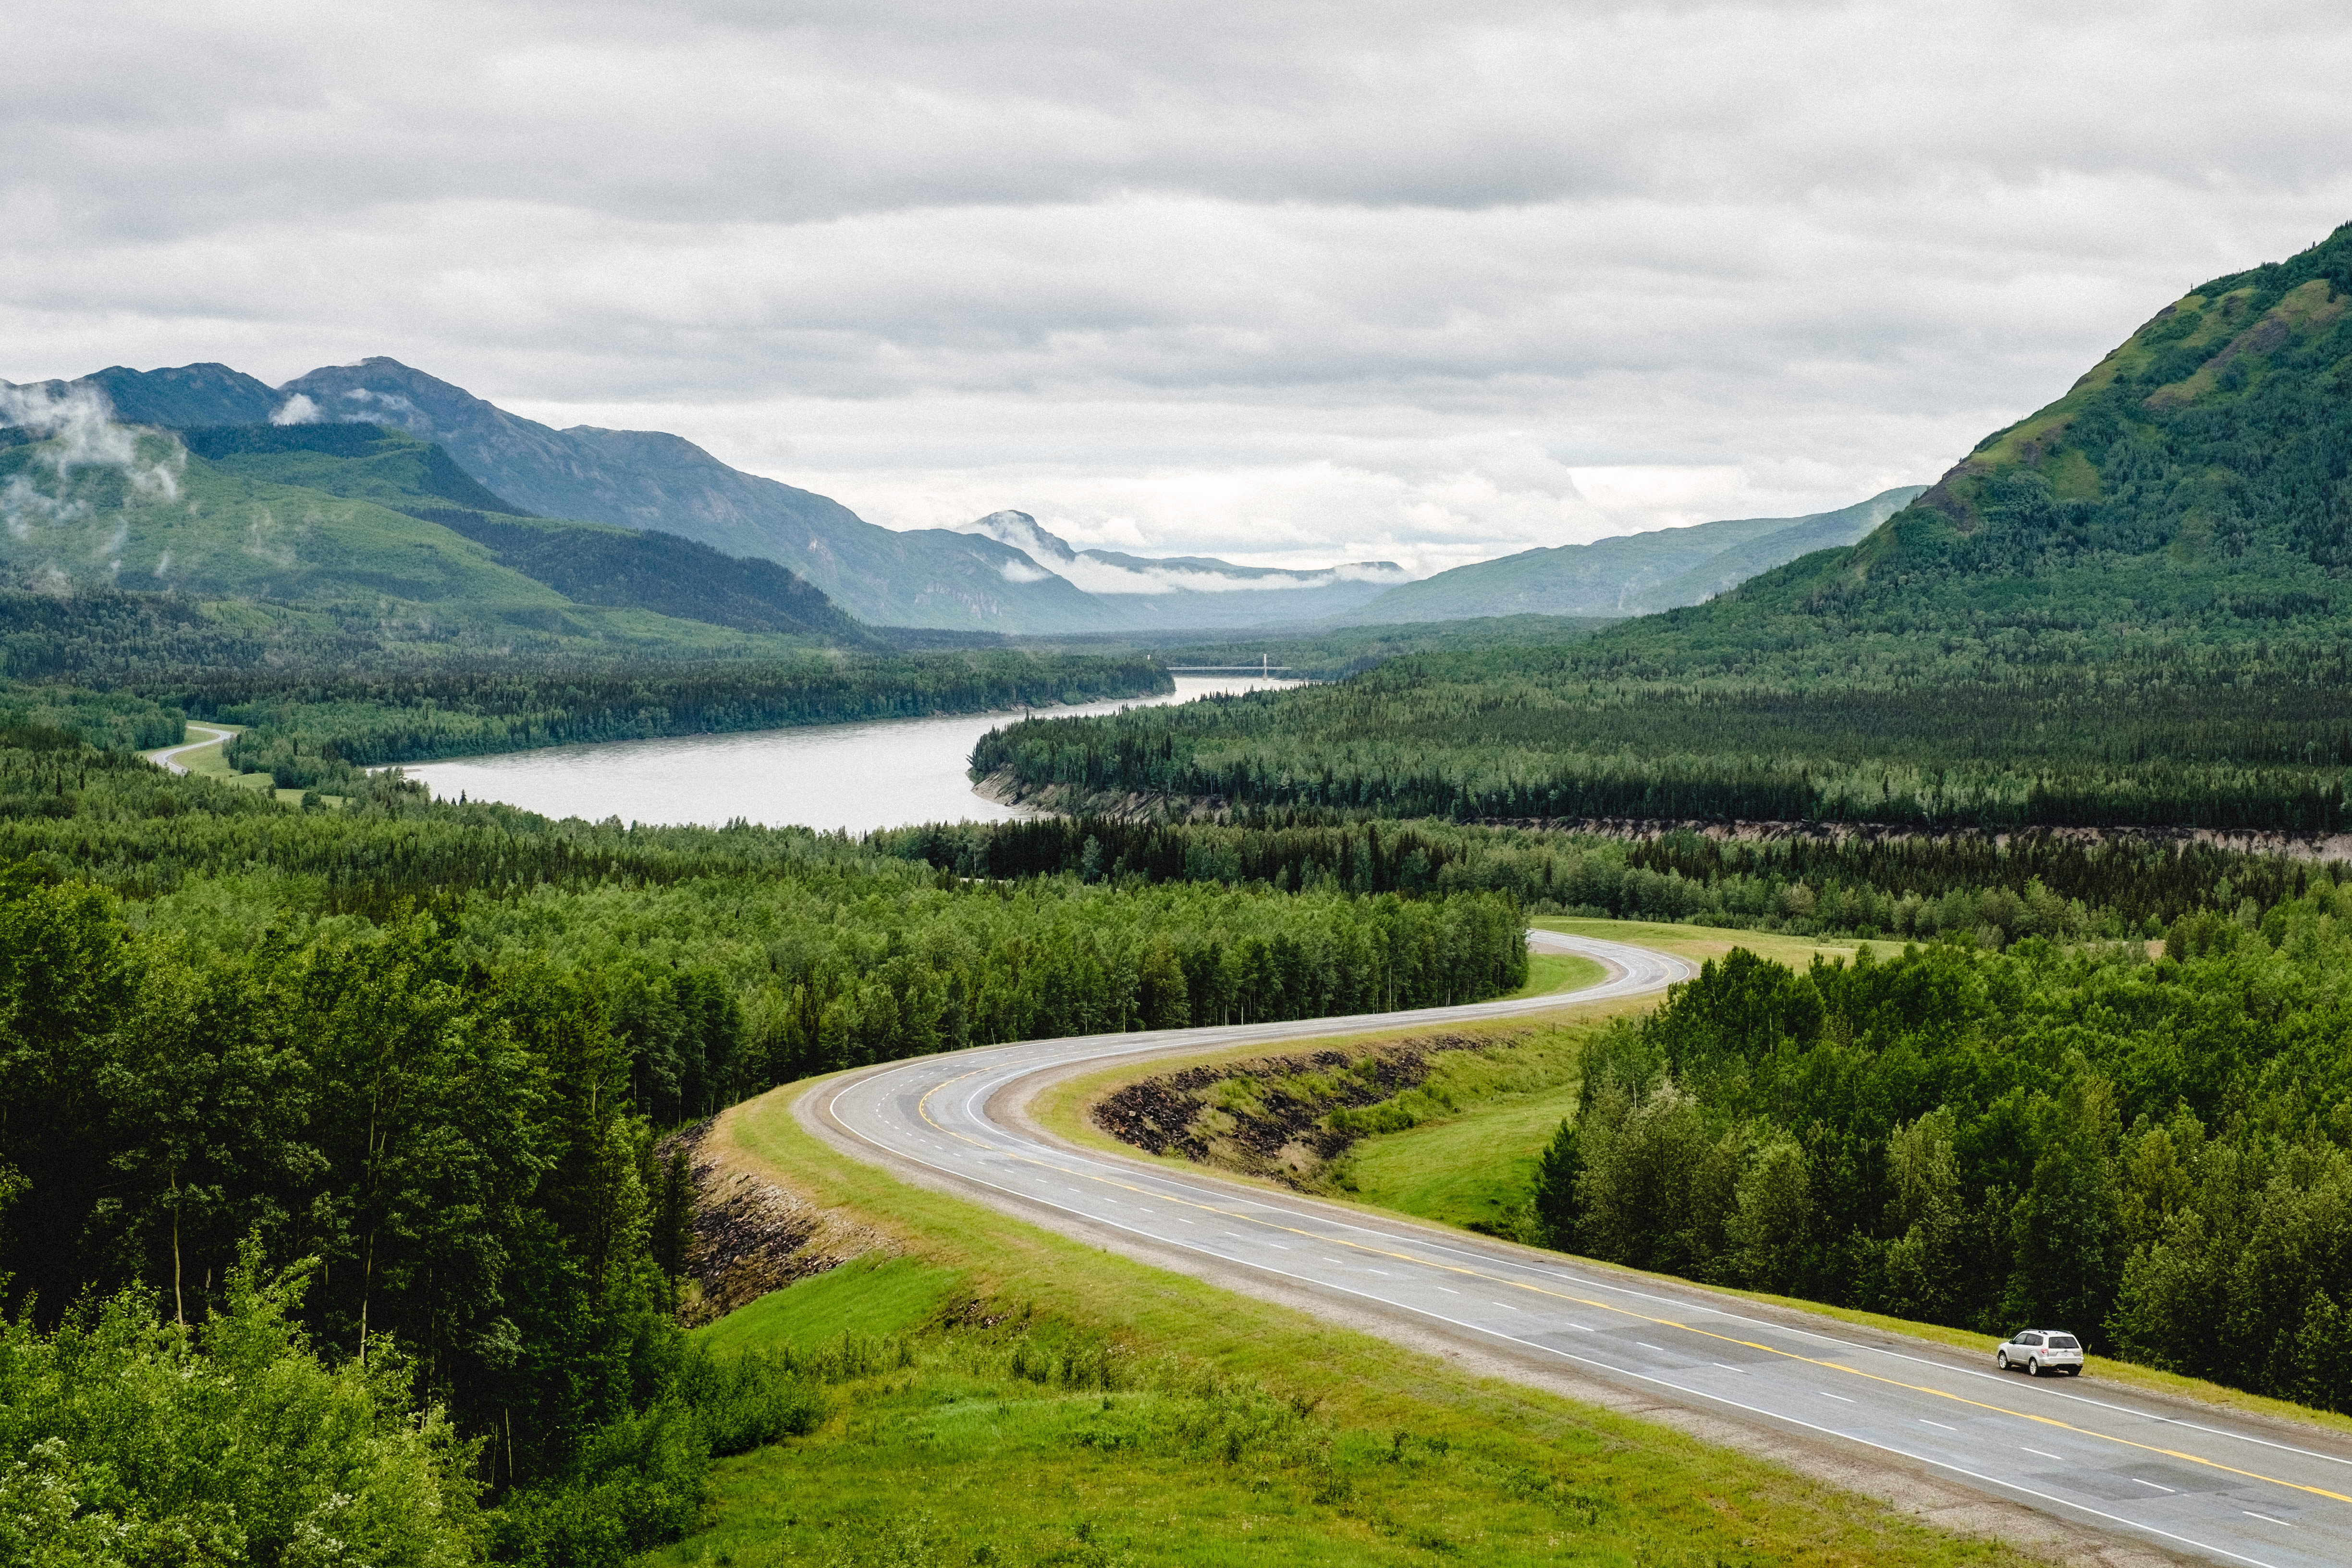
(1284, 282)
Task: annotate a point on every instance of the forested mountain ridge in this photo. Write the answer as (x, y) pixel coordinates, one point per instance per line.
(2202, 468)
(1631, 575)
(1000, 573)
(2129, 608)
(362, 524)
(651, 481)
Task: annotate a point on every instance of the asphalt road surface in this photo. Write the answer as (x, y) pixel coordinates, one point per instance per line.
(2168, 1473)
(169, 756)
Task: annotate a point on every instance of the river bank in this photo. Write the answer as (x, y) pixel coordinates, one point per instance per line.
(890, 773)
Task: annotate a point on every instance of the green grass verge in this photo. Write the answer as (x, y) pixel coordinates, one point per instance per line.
(1551, 971)
(871, 1296)
(1470, 1169)
(1702, 942)
(1233, 1431)
(1476, 1166)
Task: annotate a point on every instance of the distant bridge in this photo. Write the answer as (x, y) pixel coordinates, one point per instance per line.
(1260, 667)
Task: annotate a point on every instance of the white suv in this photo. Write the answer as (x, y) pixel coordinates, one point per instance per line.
(2039, 1351)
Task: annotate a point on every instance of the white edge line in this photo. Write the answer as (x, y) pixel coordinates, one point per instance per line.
(1622, 1372)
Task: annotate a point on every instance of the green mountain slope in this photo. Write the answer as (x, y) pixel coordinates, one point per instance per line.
(589, 564)
(963, 579)
(2131, 607)
(170, 519)
(648, 479)
(1627, 575)
(362, 524)
(361, 462)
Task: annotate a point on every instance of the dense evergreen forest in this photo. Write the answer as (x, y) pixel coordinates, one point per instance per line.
(2156, 1155)
(353, 1112)
(2129, 608)
(2253, 736)
(1984, 889)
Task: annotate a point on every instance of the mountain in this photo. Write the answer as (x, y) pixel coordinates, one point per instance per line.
(2131, 609)
(638, 480)
(646, 479)
(2192, 489)
(1632, 574)
(174, 399)
(1190, 592)
(367, 524)
(975, 578)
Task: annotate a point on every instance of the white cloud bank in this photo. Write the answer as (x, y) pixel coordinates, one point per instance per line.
(1283, 284)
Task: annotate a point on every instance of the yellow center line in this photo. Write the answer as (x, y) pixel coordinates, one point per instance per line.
(922, 1109)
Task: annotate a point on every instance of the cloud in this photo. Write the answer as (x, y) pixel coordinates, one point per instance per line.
(1096, 575)
(1288, 283)
(79, 426)
(77, 430)
(298, 410)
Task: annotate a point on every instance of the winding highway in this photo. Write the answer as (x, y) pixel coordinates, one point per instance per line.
(2181, 1476)
(169, 755)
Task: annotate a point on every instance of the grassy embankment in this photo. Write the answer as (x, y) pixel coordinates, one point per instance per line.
(1551, 971)
(1484, 1115)
(1051, 1403)
(1470, 1167)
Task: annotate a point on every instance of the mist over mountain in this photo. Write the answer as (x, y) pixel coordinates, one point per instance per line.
(1187, 591)
(1003, 573)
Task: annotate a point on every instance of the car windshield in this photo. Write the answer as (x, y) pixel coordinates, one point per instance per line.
(2063, 1342)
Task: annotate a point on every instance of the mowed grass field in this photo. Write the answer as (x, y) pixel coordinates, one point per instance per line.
(1040, 1401)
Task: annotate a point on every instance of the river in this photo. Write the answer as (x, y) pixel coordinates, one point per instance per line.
(887, 774)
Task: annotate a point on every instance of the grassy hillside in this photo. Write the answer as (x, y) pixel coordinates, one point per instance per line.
(2130, 608)
(359, 523)
(163, 517)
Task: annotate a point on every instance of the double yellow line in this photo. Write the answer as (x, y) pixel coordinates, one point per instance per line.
(1463, 1272)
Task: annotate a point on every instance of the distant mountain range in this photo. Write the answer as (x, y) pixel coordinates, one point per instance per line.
(1190, 592)
(1633, 574)
(958, 579)
(1003, 573)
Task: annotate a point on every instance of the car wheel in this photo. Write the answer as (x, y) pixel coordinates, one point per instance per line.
(2034, 1366)
(2001, 1360)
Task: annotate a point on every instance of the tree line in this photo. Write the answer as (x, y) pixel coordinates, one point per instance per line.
(2154, 1155)
(1536, 735)
(1984, 888)
(358, 1108)
(314, 732)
